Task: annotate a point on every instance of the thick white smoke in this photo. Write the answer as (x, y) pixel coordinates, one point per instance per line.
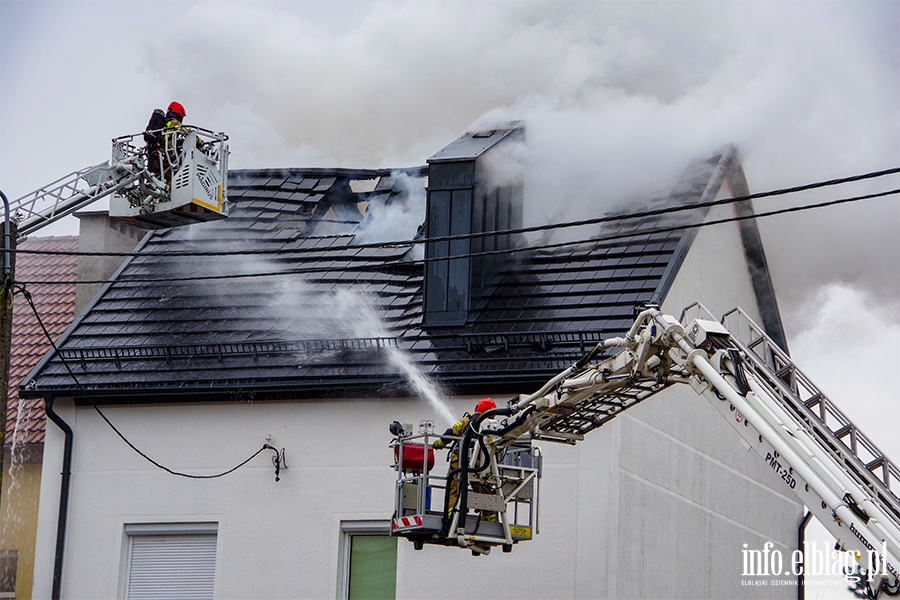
(617, 97)
(400, 219)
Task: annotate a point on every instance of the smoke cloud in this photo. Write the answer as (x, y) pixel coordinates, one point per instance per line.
(398, 220)
(617, 97)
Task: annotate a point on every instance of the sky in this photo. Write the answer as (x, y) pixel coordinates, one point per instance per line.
(616, 95)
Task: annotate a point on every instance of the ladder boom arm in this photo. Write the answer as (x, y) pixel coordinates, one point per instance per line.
(764, 406)
(68, 194)
(843, 506)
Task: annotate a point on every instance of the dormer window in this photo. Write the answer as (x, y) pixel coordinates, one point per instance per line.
(462, 201)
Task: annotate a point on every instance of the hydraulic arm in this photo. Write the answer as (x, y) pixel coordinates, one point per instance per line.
(772, 405)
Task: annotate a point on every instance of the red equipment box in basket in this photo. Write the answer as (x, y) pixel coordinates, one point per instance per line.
(414, 457)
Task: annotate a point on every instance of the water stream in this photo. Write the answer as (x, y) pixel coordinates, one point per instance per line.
(367, 323)
(426, 388)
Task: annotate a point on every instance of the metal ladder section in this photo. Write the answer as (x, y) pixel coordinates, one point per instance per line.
(831, 428)
(66, 195)
(593, 412)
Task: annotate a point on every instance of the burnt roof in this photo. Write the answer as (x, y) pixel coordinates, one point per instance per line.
(155, 333)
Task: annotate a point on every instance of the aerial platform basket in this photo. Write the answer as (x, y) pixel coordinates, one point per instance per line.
(497, 505)
(184, 182)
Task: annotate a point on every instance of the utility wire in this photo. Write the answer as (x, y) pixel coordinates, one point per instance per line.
(532, 249)
(87, 396)
(467, 236)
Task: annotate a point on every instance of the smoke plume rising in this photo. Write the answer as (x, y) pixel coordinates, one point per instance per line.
(617, 97)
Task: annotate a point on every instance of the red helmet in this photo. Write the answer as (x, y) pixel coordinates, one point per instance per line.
(176, 107)
(485, 404)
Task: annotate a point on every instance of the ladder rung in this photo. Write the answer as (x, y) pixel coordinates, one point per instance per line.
(813, 400)
(786, 370)
(843, 431)
(875, 464)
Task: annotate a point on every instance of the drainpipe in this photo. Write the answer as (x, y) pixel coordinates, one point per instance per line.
(6, 296)
(7, 239)
(63, 496)
(801, 540)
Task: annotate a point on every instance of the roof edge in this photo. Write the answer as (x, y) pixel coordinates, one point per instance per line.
(755, 254)
(417, 171)
(23, 392)
(291, 389)
(687, 240)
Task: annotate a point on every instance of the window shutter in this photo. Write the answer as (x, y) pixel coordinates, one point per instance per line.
(172, 566)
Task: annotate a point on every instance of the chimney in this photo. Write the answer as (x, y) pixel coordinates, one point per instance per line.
(474, 186)
(98, 233)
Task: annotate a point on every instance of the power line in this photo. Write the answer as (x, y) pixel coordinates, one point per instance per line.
(276, 459)
(380, 266)
(467, 236)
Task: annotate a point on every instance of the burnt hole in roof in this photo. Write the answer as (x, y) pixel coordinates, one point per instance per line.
(557, 296)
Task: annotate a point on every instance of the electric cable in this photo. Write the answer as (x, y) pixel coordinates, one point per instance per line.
(276, 460)
(531, 249)
(467, 236)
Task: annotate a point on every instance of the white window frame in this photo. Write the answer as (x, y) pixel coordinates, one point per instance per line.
(135, 530)
(350, 528)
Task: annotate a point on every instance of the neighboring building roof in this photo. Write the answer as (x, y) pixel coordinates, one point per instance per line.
(56, 305)
(151, 335)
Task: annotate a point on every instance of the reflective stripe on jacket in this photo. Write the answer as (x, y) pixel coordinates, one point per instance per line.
(456, 431)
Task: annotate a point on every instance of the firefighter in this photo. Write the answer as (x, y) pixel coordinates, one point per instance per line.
(457, 431)
(153, 137)
(173, 133)
(175, 114)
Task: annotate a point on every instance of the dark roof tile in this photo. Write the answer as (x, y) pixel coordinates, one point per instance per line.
(243, 334)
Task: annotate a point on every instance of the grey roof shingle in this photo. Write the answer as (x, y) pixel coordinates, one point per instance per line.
(152, 333)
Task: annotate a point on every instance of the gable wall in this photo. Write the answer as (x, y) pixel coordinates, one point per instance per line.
(688, 494)
(715, 271)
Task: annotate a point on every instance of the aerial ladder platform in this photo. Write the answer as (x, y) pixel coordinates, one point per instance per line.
(821, 457)
(188, 186)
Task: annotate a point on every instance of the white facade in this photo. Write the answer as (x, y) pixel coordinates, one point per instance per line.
(657, 504)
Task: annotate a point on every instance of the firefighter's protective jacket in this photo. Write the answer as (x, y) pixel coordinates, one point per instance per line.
(456, 431)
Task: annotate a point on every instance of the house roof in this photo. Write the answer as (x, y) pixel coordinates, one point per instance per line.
(56, 305)
(473, 144)
(156, 334)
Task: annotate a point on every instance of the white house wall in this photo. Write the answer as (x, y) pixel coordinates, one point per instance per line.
(48, 509)
(688, 494)
(280, 540)
(715, 271)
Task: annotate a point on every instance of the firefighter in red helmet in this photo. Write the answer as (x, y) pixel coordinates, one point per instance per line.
(457, 431)
(164, 136)
(173, 134)
(176, 111)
